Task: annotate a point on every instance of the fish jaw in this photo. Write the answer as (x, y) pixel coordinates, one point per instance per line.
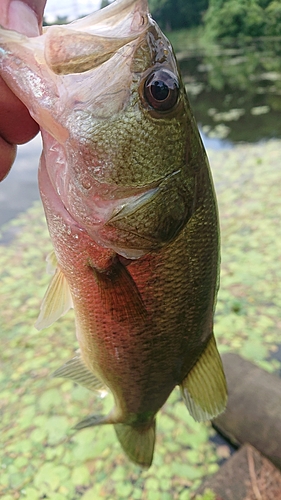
(29, 65)
(107, 30)
(88, 115)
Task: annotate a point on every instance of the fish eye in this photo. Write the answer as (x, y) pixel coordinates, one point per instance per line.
(161, 90)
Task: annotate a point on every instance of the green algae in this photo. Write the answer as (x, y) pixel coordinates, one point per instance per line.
(40, 455)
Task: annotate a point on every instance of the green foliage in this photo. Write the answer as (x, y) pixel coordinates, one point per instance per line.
(231, 18)
(273, 19)
(157, 4)
(175, 14)
(224, 71)
(185, 40)
(208, 495)
(104, 3)
(235, 88)
(246, 18)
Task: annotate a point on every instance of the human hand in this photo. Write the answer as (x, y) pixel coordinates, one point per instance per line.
(16, 124)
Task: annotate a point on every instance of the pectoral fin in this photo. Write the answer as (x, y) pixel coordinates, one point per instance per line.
(204, 389)
(56, 302)
(76, 370)
(120, 295)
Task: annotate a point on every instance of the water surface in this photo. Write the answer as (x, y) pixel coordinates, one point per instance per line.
(235, 90)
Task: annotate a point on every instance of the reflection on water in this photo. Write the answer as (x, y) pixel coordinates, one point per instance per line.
(235, 92)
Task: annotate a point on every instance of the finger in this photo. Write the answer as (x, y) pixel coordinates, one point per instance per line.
(24, 16)
(7, 157)
(16, 124)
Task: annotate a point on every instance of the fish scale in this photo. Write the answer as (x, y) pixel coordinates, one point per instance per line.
(131, 210)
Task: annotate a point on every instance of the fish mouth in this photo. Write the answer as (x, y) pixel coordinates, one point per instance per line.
(115, 18)
(87, 43)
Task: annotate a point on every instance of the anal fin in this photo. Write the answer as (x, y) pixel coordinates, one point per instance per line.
(76, 370)
(204, 389)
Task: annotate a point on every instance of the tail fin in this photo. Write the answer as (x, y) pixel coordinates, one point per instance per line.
(137, 442)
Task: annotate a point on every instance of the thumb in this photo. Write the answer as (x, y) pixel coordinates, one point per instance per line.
(24, 16)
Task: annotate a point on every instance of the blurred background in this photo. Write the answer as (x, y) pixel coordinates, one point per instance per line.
(229, 55)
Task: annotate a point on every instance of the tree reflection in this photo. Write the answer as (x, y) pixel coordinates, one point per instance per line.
(235, 90)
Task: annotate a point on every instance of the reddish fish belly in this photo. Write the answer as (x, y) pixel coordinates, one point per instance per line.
(112, 323)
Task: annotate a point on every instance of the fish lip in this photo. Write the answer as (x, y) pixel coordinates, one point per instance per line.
(115, 14)
(119, 9)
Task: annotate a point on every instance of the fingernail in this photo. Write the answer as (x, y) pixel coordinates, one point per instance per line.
(22, 18)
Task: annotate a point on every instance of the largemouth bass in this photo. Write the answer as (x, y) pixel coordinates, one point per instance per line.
(131, 211)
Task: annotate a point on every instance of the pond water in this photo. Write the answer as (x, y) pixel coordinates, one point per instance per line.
(235, 91)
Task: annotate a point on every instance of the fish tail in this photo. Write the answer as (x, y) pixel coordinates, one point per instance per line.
(137, 442)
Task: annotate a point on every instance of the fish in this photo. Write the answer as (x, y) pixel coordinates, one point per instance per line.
(132, 214)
